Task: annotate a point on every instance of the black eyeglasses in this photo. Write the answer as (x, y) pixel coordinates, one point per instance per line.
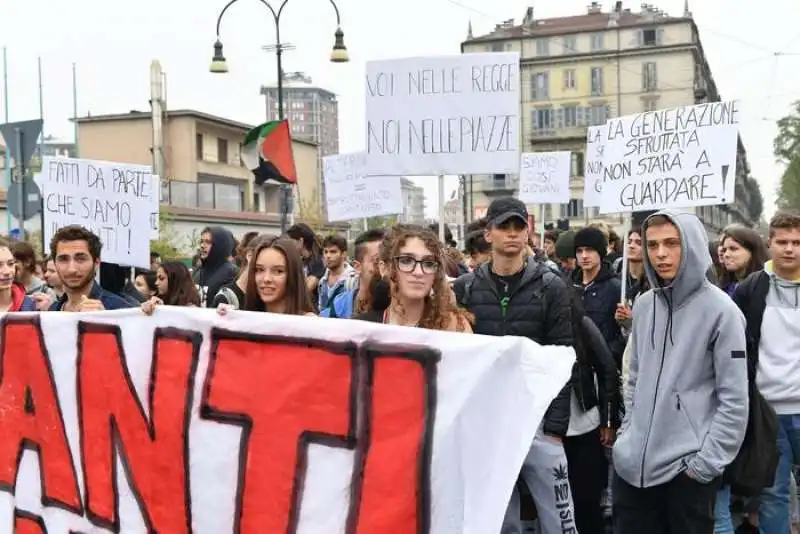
(408, 264)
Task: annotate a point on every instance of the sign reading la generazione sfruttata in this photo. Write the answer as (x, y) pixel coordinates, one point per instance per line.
(443, 115)
(677, 158)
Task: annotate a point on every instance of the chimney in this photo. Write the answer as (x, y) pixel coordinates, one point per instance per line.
(528, 18)
(618, 7)
(595, 8)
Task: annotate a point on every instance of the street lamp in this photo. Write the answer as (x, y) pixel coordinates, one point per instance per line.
(338, 55)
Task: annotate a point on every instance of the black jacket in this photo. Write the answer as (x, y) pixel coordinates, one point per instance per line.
(216, 270)
(600, 299)
(751, 297)
(538, 309)
(594, 358)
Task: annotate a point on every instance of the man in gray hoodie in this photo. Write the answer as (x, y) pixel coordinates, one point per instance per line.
(686, 398)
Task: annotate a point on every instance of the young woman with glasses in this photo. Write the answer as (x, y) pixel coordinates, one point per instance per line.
(411, 267)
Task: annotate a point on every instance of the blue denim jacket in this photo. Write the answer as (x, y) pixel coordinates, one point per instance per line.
(110, 300)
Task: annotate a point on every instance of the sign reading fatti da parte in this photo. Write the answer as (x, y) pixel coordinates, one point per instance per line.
(190, 422)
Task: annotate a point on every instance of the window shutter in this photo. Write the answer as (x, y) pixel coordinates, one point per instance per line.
(559, 122)
(546, 84)
(535, 119)
(644, 76)
(640, 38)
(581, 116)
(654, 75)
(659, 35)
(606, 113)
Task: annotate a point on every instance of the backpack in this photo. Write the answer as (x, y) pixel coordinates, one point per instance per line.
(755, 464)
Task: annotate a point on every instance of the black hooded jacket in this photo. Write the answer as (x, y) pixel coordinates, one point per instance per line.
(216, 270)
(539, 309)
(600, 299)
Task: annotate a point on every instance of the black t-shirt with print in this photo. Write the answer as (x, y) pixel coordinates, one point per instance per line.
(506, 285)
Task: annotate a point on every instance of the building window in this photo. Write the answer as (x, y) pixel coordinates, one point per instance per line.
(570, 116)
(498, 181)
(577, 164)
(570, 44)
(222, 150)
(198, 145)
(569, 79)
(649, 80)
(650, 104)
(572, 210)
(540, 86)
(599, 114)
(498, 47)
(542, 47)
(542, 119)
(597, 80)
(597, 41)
(650, 37)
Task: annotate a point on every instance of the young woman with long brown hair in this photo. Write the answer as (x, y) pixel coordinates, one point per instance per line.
(411, 263)
(174, 287)
(275, 280)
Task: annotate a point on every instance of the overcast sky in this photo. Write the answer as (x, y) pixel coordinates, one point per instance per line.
(112, 44)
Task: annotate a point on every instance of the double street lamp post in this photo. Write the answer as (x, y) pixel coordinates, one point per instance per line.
(338, 55)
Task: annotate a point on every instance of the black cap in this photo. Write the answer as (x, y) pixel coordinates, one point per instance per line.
(503, 209)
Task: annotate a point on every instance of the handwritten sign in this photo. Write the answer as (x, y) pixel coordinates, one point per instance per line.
(113, 200)
(544, 177)
(681, 157)
(262, 423)
(443, 115)
(351, 194)
(593, 165)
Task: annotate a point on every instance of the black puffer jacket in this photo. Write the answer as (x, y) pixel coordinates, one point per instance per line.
(600, 299)
(538, 309)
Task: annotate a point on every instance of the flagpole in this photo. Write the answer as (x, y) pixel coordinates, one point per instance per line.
(8, 156)
(75, 107)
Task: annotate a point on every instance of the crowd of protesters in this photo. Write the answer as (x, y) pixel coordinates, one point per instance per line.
(683, 411)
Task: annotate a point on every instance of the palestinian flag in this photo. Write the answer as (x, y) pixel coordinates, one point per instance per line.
(267, 151)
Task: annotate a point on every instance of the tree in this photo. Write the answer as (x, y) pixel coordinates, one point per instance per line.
(789, 190)
(381, 222)
(787, 142)
(165, 244)
(755, 207)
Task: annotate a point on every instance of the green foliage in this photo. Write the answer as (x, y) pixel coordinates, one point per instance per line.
(789, 190)
(165, 245)
(381, 222)
(787, 142)
(755, 207)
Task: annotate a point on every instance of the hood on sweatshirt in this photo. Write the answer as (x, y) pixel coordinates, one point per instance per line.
(221, 246)
(695, 258)
(788, 291)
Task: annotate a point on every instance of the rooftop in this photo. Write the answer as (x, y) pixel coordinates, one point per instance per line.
(594, 20)
(189, 113)
(296, 80)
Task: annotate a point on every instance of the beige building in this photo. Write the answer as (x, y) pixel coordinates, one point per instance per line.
(206, 182)
(578, 71)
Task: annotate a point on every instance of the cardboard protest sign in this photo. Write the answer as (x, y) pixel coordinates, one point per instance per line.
(259, 423)
(351, 194)
(113, 200)
(676, 158)
(593, 165)
(443, 115)
(544, 177)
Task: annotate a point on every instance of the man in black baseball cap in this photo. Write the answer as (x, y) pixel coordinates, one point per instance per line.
(505, 209)
(514, 295)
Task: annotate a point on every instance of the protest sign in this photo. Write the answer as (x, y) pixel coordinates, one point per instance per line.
(593, 165)
(259, 423)
(350, 194)
(443, 115)
(544, 177)
(113, 200)
(671, 158)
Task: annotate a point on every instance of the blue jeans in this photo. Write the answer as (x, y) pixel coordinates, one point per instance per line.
(773, 514)
(723, 524)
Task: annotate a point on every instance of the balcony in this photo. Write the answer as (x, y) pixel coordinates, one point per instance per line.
(499, 185)
(204, 196)
(568, 132)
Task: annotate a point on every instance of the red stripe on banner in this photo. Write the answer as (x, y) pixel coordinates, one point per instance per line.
(27, 523)
(284, 393)
(30, 416)
(397, 441)
(154, 452)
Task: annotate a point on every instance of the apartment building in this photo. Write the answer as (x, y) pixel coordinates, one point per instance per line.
(413, 203)
(206, 182)
(580, 70)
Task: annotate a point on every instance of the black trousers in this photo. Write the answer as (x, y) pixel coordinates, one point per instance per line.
(588, 475)
(681, 506)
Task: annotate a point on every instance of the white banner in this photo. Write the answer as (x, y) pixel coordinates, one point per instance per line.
(187, 421)
(351, 194)
(593, 165)
(443, 115)
(113, 200)
(544, 177)
(671, 158)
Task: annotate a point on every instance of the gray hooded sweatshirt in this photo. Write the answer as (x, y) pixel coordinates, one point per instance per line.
(686, 398)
